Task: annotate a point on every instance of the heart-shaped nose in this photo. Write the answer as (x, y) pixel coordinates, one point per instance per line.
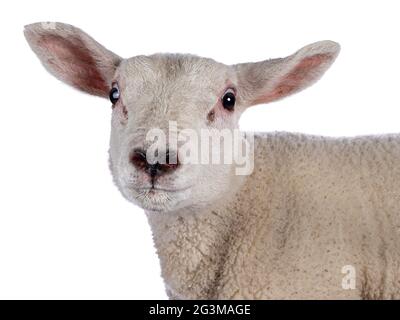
(139, 160)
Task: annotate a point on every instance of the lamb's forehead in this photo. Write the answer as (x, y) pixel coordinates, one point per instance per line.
(174, 70)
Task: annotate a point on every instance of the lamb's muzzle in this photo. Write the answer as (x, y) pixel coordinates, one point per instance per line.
(155, 169)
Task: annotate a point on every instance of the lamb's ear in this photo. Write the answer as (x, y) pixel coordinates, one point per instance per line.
(73, 57)
(270, 80)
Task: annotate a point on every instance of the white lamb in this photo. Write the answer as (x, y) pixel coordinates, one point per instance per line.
(312, 208)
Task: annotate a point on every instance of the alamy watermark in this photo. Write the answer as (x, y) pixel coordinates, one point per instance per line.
(349, 280)
(206, 146)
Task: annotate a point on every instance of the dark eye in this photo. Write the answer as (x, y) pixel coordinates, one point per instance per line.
(228, 100)
(114, 94)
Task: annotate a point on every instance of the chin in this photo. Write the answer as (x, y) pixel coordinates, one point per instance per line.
(156, 199)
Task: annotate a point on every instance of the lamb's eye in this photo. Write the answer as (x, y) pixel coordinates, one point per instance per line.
(228, 100)
(114, 94)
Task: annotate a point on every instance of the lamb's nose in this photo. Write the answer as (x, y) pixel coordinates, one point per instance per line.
(139, 160)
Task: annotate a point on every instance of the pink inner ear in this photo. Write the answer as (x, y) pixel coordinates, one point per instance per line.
(305, 71)
(74, 63)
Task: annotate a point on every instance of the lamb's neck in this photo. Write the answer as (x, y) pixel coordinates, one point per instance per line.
(192, 246)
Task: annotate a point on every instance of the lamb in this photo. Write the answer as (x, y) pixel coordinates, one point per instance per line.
(313, 213)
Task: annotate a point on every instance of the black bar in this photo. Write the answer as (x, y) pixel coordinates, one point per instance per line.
(224, 310)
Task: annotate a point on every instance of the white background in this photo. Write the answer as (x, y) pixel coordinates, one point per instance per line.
(65, 231)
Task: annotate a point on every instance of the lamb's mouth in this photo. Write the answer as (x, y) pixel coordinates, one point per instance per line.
(158, 199)
(156, 190)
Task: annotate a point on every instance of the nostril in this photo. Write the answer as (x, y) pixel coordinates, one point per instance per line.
(171, 163)
(138, 159)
